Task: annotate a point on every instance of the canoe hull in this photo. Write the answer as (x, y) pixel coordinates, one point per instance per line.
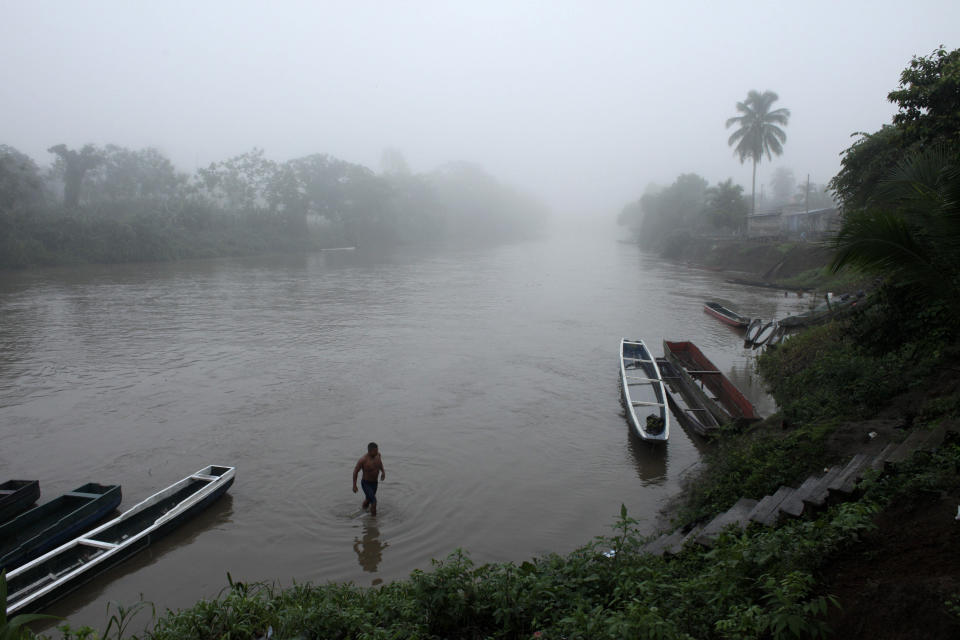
(725, 315)
(16, 496)
(39, 530)
(752, 330)
(642, 392)
(65, 569)
(730, 403)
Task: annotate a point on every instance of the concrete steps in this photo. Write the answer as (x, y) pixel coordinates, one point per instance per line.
(836, 484)
(737, 515)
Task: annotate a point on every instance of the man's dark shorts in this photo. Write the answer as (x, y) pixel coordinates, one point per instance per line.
(369, 490)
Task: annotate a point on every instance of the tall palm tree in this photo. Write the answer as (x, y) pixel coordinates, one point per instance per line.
(759, 132)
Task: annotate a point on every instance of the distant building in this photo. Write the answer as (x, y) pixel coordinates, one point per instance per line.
(789, 222)
(810, 224)
(764, 225)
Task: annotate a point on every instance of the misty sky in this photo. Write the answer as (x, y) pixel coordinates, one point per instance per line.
(581, 103)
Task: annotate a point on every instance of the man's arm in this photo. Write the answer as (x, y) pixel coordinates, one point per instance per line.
(356, 470)
(383, 474)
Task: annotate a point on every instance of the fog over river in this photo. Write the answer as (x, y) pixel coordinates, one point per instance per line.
(487, 376)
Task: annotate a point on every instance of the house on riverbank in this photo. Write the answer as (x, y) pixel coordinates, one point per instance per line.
(792, 222)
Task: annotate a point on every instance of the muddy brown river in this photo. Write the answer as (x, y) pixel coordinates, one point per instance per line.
(487, 376)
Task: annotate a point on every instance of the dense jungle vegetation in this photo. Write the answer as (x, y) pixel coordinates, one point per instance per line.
(112, 204)
(892, 362)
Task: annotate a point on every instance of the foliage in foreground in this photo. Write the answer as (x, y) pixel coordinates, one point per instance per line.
(751, 585)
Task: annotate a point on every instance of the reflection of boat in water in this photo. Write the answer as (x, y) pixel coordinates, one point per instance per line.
(642, 392)
(651, 461)
(369, 549)
(67, 567)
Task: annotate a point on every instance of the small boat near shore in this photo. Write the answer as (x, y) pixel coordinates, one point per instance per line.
(765, 333)
(778, 336)
(820, 314)
(685, 402)
(752, 330)
(42, 528)
(64, 569)
(642, 392)
(714, 392)
(17, 496)
(725, 315)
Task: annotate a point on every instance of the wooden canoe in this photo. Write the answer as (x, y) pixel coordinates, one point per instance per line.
(64, 569)
(765, 333)
(683, 396)
(642, 393)
(42, 528)
(752, 330)
(728, 316)
(17, 496)
(720, 396)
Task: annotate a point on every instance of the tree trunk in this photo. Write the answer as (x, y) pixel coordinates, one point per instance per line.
(753, 206)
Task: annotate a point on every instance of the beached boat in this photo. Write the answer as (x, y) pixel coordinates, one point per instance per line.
(726, 315)
(64, 569)
(778, 335)
(830, 309)
(17, 496)
(765, 333)
(42, 528)
(717, 394)
(684, 400)
(642, 392)
(752, 330)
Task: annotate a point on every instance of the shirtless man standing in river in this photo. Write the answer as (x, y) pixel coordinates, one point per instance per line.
(370, 464)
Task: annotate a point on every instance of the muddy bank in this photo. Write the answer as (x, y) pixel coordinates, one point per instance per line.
(774, 263)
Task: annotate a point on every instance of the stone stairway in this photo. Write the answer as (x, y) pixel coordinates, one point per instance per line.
(835, 484)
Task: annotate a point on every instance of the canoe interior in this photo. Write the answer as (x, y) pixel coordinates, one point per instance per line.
(638, 362)
(60, 564)
(693, 360)
(55, 522)
(724, 314)
(138, 522)
(684, 401)
(17, 496)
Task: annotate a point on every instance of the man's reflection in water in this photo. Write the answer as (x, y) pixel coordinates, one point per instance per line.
(369, 549)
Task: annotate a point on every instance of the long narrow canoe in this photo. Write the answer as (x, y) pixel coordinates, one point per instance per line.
(824, 312)
(752, 330)
(717, 394)
(64, 569)
(17, 496)
(685, 401)
(729, 316)
(765, 332)
(42, 528)
(642, 392)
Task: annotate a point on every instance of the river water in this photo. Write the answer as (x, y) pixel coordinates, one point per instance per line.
(488, 376)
